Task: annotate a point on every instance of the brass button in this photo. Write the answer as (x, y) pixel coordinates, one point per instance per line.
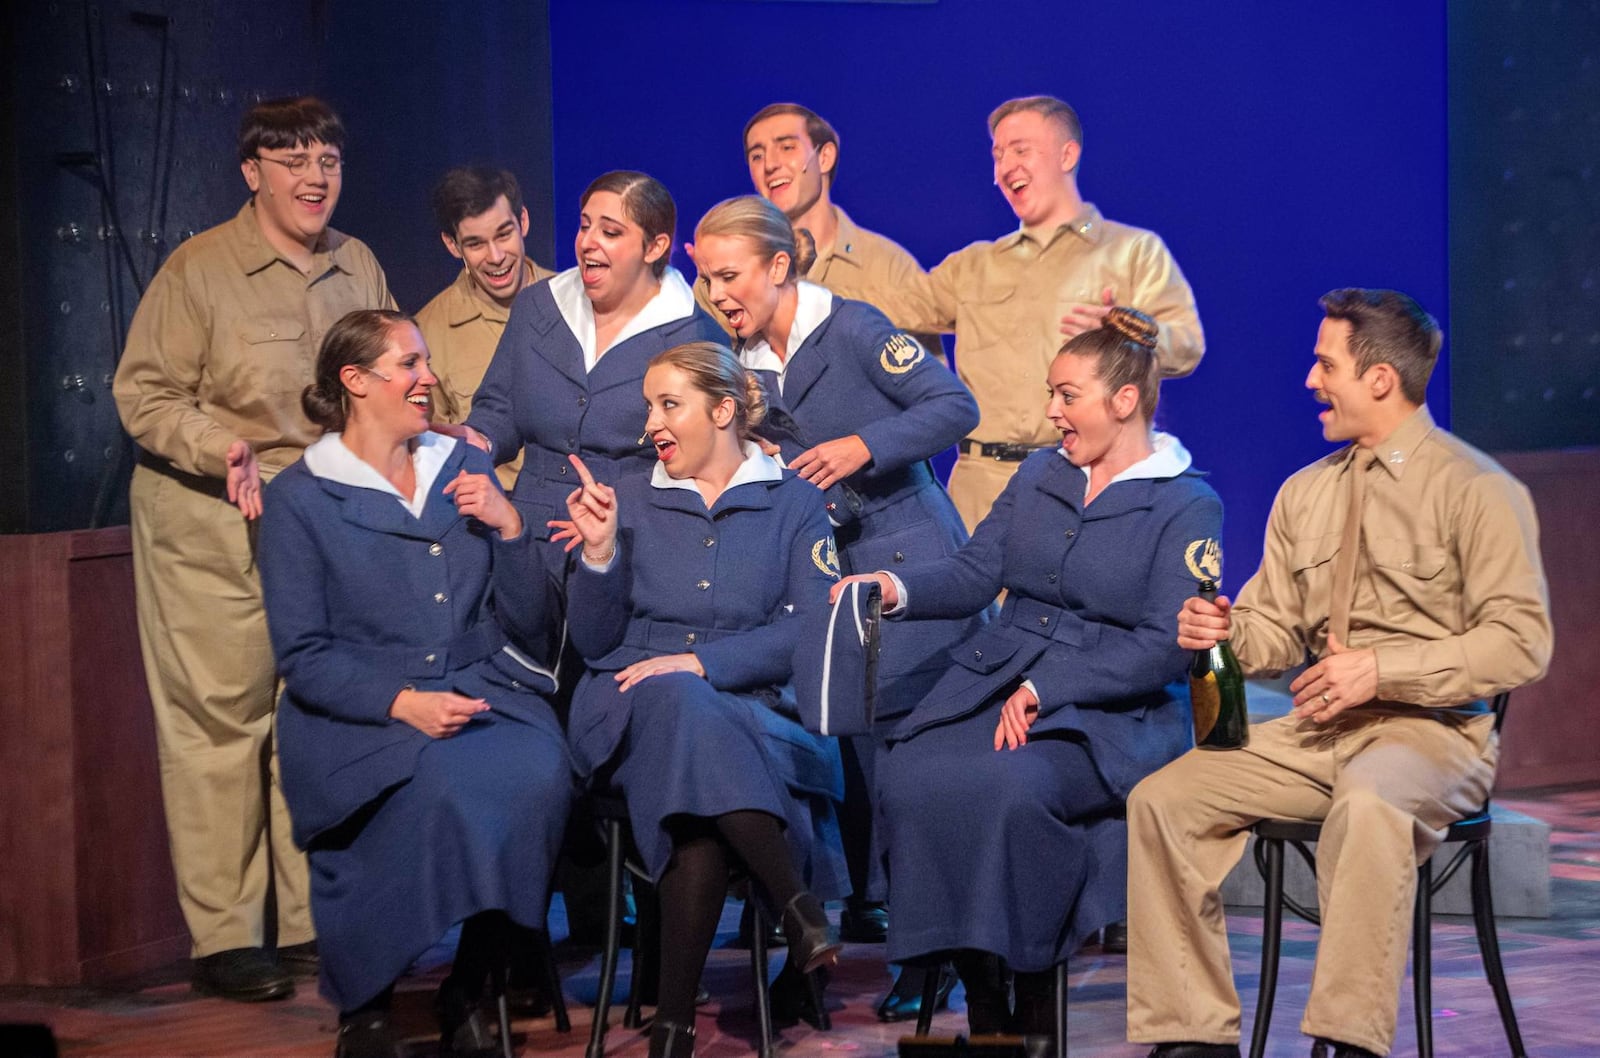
(435, 549)
(688, 640)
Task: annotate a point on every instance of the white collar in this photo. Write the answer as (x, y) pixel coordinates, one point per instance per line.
(814, 304)
(757, 466)
(1168, 459)
(329, 459)
(673, 301)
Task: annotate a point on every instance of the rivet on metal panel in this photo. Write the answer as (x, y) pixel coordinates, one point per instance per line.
(70, 456)
(67, 83)
(66, 308)
(70, 232)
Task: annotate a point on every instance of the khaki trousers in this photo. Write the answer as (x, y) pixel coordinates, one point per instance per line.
(1384, 781)
(203, 634)
(975, 483)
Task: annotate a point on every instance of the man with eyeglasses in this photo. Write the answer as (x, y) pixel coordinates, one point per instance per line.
(209, 385)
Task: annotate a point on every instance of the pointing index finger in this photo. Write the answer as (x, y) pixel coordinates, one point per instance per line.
(583, 471)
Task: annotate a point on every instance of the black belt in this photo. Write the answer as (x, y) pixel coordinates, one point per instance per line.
(1006, 453)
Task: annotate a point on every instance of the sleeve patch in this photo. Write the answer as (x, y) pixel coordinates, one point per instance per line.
(1204, 559)
(901, 353)
(826, 557)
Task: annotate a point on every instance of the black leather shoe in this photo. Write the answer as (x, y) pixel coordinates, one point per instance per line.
(1195, 1050)
(668, 1039)
(747, 925)
(812, 942)
(904, 1001)
(246, 975)
(864, 922)
(791, 998)
(1325, 1048)
(300, 959)
(1114, 939)
(463, 1029)
(368, 1036)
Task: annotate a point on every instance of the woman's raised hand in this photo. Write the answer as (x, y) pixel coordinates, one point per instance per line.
(480, 497)
(592, 518)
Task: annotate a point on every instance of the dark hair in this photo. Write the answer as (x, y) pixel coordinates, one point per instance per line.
(818, 131)
(755, 218)
(1124, 350)
(1387, 327)
(646, 202)
(714, 370)
(469, 190)
(357, 340)
(294, 121)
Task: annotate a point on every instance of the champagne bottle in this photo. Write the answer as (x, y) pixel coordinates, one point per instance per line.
(1216, 693)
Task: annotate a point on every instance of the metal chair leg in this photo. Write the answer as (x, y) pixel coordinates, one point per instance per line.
(1271, 939)
(1061, 1010)
(758, 969)
(497, 981)
(613, 940)
(646, 952)
(552, 980)
(1422, 959)
(1489, 946)
(930, 999)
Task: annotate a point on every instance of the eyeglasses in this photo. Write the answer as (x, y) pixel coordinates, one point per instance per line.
(330, 164)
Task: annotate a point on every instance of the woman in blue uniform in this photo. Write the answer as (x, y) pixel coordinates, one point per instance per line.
(1002, 790)
(872, 407)
(565, 377)
(690, 712)
(414, 618)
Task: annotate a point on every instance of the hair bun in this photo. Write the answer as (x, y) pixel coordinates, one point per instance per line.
(1133, 325)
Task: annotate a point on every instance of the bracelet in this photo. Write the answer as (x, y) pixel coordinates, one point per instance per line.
(599, 560)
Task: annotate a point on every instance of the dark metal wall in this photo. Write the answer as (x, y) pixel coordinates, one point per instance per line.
(118, 143)
(1525, 223)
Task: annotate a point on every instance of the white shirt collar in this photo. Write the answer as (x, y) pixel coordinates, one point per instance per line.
(757, 466)
(1168, 459)
(813, 307)
(329, 459)
(674, 301)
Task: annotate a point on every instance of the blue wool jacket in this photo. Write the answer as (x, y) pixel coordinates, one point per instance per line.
(537, 396)
(364, 599)
(1090, 614)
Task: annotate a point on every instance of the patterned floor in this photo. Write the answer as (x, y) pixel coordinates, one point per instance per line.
(1553, 965)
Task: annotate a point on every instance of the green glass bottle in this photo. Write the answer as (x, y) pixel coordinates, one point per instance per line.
(1216, 693)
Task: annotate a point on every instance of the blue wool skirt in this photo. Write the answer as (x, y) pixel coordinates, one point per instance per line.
(476, 828)
(688, 749)
(1020, 853)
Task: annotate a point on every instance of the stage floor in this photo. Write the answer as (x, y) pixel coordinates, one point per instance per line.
(1553, 966)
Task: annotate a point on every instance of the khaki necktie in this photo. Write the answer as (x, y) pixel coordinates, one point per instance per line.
(1344, 566)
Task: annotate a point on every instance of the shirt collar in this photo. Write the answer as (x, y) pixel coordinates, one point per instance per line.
(329, 459)
(1397, 450)
(757, 466)
(812, 308)
(469, 301)
(1167, 459)
(257, 253)
(846, 238)
(1087, 225)
(673, 302)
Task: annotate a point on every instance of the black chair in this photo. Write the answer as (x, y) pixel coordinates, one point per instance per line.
(1471, 834)
(611, 812)
(552, 984)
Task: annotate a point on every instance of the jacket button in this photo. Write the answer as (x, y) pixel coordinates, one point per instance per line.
(583, 402)
(1071, 533)
(899, 556)
(439, 596)
(571, 444)
(688, 640)
(709, 541)
(516, 685)
(1051, 577)
(562, 470)
(435, 549)
(1044, 622)
(977, 655)
(702, 584)
(431, 658)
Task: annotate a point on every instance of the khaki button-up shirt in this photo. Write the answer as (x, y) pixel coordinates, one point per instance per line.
(226, 338)
(1004, 301)
(462, 326)
(1450, 591)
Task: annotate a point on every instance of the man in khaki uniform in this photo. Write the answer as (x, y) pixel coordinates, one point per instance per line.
(482, 222)
(1012, 302)
(221, 346)
(1406, 564)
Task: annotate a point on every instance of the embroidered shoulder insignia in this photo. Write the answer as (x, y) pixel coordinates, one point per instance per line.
(826, 557)
(1204, 559)
(901, 353)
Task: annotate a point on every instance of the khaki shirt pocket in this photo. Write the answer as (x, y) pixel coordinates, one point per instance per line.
(1409, 576)
(1311, 561)
(271, 355)
(988, 315)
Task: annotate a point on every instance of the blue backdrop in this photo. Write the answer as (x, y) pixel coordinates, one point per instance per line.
(1280, 149)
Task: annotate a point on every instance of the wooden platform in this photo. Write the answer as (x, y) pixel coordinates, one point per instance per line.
(1553, 964)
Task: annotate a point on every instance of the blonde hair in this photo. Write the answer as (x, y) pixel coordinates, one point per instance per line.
(715, 371)
(753, 217)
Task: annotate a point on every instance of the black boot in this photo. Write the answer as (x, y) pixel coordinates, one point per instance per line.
(904, 1001)
(1325, 1048)
(1036, 1004)
(463, 1030)
(367, 1034)
(812, 942)
(793, 999)
(988, 992)
(668, 1039)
